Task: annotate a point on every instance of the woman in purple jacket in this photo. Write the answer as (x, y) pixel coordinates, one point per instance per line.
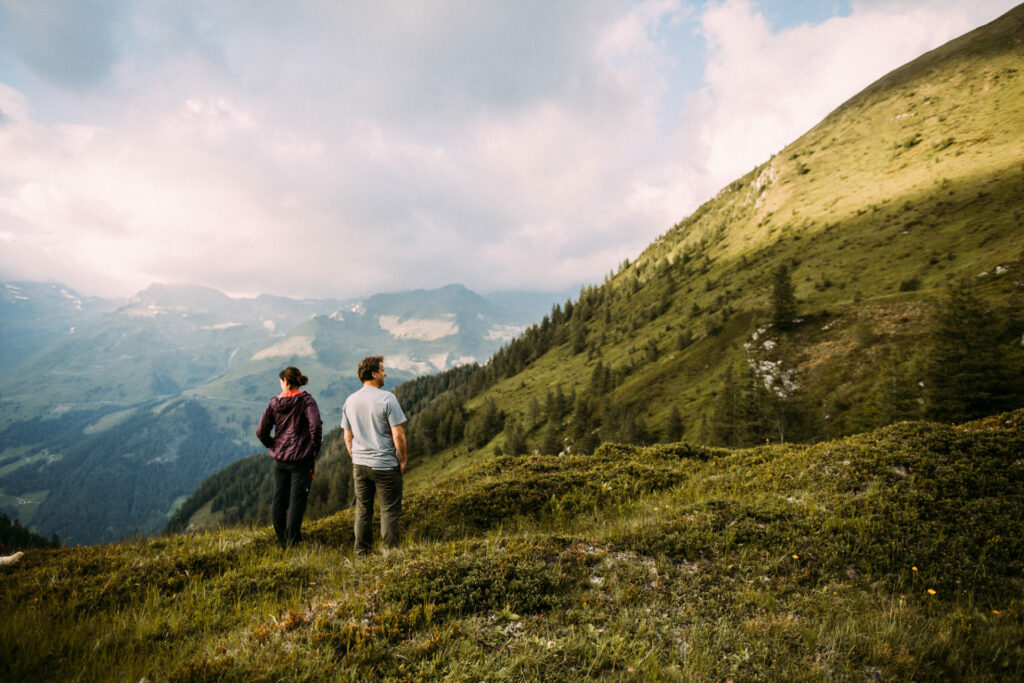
(294, 446)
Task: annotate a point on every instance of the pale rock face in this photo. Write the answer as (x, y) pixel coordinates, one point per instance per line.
(153, 310)
(16, 292)
(439, 360)
(418, 328)
(405, 363)
(504, 332)
(293, 346)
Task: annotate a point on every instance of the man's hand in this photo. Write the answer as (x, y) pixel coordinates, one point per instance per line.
(398, 434)
(348, 442)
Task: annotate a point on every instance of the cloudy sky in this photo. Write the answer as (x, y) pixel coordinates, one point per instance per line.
(337, 149)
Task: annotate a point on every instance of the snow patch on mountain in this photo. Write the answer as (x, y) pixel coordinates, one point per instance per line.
(401, 362)
(292, 346)
(221, 326)
(504, 332)
(153, 310)
(419, 328)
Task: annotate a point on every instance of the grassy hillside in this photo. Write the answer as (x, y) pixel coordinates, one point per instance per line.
(906, 196)
(895, 554)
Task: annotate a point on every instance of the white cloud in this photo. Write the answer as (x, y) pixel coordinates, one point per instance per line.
(339, 150)
(763, 89)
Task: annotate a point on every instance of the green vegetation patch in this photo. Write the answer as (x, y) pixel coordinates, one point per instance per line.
(893, 554)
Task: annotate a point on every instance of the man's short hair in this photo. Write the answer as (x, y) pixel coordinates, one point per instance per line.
(368, 366)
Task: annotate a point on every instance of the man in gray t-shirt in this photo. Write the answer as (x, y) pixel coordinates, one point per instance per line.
(375, 438)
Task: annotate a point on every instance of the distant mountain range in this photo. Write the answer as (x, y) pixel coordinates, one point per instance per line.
(136, 401)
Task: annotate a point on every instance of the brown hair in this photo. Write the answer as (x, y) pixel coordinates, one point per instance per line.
(368, 366)
(294, 377)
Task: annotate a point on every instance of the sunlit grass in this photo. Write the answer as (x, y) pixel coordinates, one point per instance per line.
(893, 554)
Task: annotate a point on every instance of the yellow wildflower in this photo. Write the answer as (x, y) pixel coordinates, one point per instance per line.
(931, 592)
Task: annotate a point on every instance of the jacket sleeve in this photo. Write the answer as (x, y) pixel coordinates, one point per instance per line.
(316, 425)
(263, 430)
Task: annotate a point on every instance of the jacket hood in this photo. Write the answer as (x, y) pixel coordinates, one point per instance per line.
(284, 404)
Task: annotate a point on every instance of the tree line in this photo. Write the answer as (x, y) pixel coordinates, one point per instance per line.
(971, 366)
(14, 537)
(242, 492)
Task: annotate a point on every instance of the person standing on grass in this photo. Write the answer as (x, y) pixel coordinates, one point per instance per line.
(375, 438)
(295, 445)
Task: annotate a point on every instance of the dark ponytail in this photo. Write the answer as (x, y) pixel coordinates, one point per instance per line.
(294, 377)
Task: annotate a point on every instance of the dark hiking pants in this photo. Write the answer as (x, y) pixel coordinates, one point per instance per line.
(368, 482)
(292, 481)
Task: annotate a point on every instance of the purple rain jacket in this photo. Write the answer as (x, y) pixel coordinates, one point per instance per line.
(298, 429)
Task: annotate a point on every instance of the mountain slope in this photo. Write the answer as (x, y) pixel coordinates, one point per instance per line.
(911, 188)
(36, 316)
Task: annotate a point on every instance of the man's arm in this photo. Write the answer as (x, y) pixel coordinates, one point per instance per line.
(398, 434)
(348, 442)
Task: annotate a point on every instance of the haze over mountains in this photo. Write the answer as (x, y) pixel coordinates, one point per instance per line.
(114, 409)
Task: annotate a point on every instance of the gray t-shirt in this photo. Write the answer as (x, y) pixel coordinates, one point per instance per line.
(371, 413)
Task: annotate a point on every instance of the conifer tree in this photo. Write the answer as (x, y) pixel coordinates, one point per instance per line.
(651, 351)
(967, 371)
(674, 426)
(783, 298)
(599, 380)
(533, 414)
(729, 420)
(636, 429)
(551, 444)
(515, 439)
(579, 339)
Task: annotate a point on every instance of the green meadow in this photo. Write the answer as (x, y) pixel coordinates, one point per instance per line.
(895, 554)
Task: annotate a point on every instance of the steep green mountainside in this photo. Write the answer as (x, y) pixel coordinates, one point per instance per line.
(893, 220)
(892, 555)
